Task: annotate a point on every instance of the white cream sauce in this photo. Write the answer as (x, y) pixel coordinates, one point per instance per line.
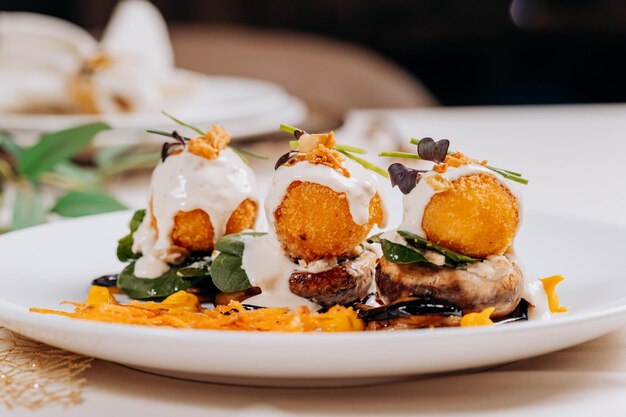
(269, 268)
(535, 294)
(186, 182)
(416, 201)
(359, 188)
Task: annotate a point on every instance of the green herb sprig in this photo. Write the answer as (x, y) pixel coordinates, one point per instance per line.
(510, 175)
(346, 150)
(242, 153)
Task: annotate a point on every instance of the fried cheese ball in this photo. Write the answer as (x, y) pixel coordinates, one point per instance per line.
(477, 216)
(193, 229)
(314, 222)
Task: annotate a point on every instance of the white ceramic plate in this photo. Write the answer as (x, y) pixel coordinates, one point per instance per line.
(244, 106)
(44, 265)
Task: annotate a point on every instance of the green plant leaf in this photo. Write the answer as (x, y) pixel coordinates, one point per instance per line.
(167, 284)
(400, 254)
(125, 245)
(108, 155)
(7, 143)
(28, 208)
(452, 257)
(68, 175)
(55, 147)
(84, 203)
(227, 273)
(128, 161)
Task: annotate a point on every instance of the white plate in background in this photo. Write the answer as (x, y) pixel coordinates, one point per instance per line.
(246, 107)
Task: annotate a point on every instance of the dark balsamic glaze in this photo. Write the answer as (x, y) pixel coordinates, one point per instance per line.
(105, 281)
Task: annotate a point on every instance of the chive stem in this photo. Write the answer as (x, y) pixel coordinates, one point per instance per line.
(350, 148)
(517, 174)
(288, 129)
(163, 133)
(406, 155)
(180, 122)
(293, 144)
(366, 164)
(248, 153)
(241, 155)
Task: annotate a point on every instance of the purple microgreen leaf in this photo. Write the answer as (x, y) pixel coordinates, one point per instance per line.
(283, 159)
(430, 150)
(405, 178)
(178, 137)
(166, 149)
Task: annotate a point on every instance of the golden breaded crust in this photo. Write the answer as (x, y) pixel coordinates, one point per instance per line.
(321, 155)
(193, 229)
(476, 216)
(314, 222)
(209, 145)
(243, 217)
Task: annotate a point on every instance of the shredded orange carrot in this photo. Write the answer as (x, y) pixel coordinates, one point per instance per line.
(182, 310)
(478, 319)
(549, 285)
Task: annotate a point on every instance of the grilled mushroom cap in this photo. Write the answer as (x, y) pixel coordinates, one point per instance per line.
(467, 290)
(342, 284)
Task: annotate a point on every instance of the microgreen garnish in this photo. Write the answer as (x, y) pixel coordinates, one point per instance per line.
(346, 150)
(249, 153)
(429, 150)
(405, 178)
(284, 158)
(293, 130)
(165, 151)
(180, 122)
(366, 164)
(168, 146)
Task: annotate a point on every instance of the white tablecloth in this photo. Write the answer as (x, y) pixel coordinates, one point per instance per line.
(574, 158)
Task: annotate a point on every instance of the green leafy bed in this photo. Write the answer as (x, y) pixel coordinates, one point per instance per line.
(411, 254)
(224, 272)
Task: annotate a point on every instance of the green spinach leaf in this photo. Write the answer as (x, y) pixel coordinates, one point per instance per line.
(452, 257)
(400, 254)
(199, 268)
(233, 244)
(125, 244)
(227, 273)
(161, 287)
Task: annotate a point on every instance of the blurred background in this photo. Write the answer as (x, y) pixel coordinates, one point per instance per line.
(401, 53)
